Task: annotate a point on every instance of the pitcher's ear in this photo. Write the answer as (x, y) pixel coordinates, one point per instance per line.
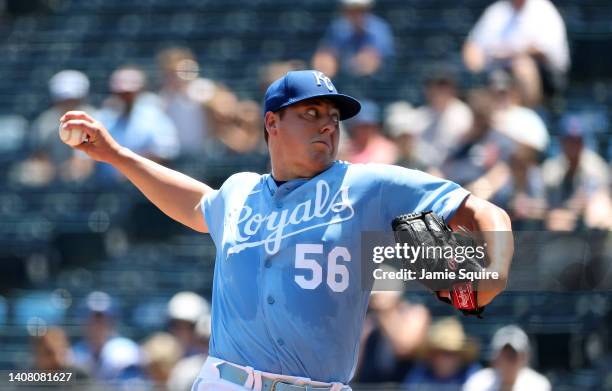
(271, 122)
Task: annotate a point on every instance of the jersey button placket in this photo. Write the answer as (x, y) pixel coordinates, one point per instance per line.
(268, 278)
(280, 193)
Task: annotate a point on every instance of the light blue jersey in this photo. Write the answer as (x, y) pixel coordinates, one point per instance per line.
(287, 293)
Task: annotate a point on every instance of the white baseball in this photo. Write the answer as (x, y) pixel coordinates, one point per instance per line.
(72, 136)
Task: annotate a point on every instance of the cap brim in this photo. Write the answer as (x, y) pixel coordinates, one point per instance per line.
(348, 106)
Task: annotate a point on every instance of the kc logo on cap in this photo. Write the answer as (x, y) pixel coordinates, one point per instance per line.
(320, 77)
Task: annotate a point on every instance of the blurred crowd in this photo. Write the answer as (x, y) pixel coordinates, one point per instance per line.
(496, 139)
(187, 118)
(104, 359)
(400, 344)
(491, 138)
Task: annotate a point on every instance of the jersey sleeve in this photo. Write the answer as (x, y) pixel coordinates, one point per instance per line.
(406, 191)
(212, 208)
(215, 205)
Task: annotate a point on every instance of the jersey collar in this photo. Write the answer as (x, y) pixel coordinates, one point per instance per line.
(292, 184)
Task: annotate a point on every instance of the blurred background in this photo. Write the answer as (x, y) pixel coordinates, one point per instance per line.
(511, 99)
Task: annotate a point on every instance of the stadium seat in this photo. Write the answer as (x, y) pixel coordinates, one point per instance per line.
(13, 137)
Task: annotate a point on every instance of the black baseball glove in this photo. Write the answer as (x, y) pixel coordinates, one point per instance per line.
(429, 231)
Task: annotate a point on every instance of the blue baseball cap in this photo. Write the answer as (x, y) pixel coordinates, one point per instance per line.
(297, 86)
(98, 302)
(575, 125)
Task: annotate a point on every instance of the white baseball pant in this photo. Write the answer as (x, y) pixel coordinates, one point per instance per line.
(209, 379)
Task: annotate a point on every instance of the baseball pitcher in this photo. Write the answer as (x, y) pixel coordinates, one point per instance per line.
(288, 303)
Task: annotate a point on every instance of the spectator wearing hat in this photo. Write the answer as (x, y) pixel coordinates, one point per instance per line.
(68, 90)
(103, 353)
(161, 352)
(510, 369)
(524, 126)
(400, 119)
(367, 144)
(527, 38)
(448, 359)
(511, 118)
(50, 160)
(184, 311)
(481, 148)
(515, 181)
(358, 43)
(445, 119)
(577, 182)
(136, 119)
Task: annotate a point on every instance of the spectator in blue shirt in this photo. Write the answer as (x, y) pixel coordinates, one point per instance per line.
(103, 353)
(357, 43)
(136, 118)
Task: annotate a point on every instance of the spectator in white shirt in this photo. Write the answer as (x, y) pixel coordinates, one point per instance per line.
(510, 370)
(527, 37)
